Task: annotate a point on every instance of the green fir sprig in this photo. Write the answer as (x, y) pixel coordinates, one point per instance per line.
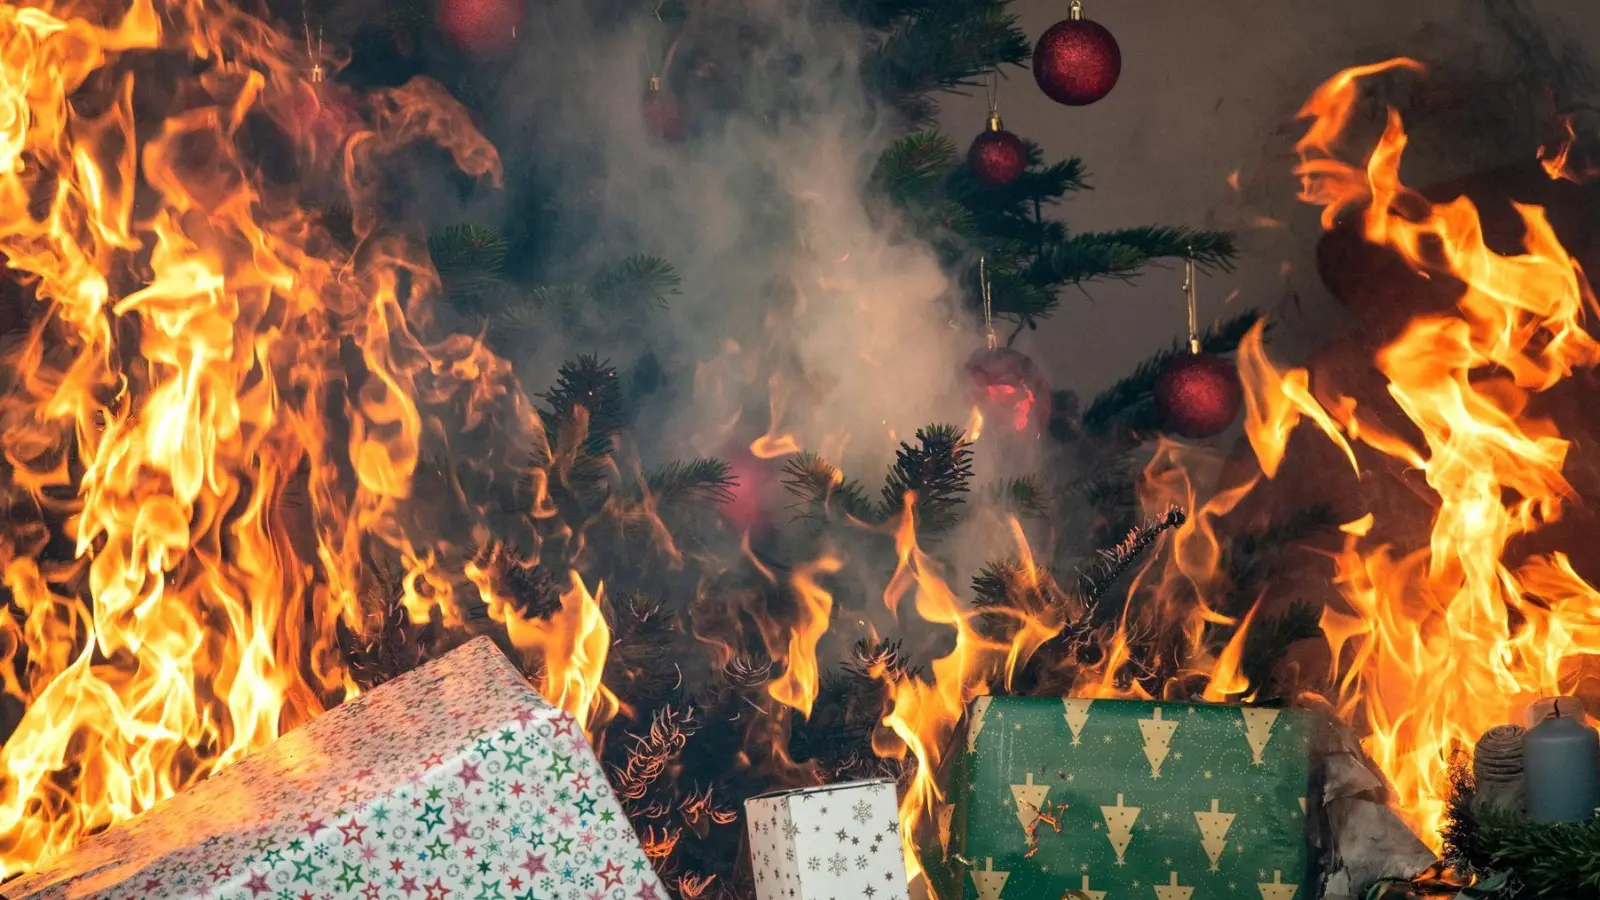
(1542, 859)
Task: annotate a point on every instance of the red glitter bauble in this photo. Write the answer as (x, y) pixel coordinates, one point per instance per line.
(1198, 395)
(1010, 391)
(321, 114)
(997, 156)
(480, 26)
(663, 117)
(747, 504)
(1076, 62)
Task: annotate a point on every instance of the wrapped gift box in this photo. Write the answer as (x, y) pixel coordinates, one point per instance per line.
(1128, 798)
(453, 781)
(828, 843)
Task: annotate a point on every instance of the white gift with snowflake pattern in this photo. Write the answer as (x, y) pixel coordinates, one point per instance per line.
(455, 781)
(839, 842)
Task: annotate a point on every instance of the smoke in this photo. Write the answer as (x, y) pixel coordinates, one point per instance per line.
(793, 282)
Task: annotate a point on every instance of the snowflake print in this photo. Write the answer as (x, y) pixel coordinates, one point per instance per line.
(861, 812)
(837, 865)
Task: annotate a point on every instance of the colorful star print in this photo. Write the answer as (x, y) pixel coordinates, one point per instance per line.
(454, 782)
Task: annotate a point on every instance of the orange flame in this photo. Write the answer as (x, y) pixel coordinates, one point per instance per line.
(797, 686)
(775, 443)
(922, 716)
(569, 646)
(1433, 655)
(218, 403)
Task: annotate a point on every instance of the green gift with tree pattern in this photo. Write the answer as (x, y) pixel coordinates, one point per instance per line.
(1123, 799)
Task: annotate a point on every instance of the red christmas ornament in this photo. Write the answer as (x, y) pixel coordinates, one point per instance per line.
(663, 117)
(997, 156)
(480, 26)
(748, 509)
(1077, 61)
(320, 113)
(1010, 391)
(1198, 395)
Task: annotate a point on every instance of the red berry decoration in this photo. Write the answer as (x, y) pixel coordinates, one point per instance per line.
(997, 156)
(1010, 391)
(1198, 395)
(1076, 62)
(480, 26)
(663, 117)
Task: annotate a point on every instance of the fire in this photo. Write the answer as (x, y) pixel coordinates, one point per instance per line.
(213, 430)
(797, 686)
(572, 645)
(1018, 398)
(923, 717)
(212, 427)
(1447, 640)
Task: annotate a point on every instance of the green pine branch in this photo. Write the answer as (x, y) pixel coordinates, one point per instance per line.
(591, 385)
(1268, 639)
(1541, 859)
(1008, 583)
(937, 470)
(915, 167)
(696, 481)
(1023, 496)
(638, 278)
(461, 249)
(824, 492)
(1000, 207)
(1122, 253)
(938, 47)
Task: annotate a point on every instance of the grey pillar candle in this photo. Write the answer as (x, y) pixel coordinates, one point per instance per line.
(1561, 765)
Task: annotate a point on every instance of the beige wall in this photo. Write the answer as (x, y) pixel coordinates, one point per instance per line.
(1210, 88)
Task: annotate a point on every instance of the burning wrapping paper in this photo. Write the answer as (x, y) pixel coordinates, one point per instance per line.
(454, 781)
(1436, 884)
(828, 843)
(1361, 842)
(1119, 798)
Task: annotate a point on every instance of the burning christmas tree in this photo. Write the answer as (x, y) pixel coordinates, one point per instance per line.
(267, 445)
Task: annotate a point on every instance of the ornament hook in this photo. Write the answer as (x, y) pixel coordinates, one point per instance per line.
(991, 85)
(1075, 10)
(1190, 291)
(313, 47)
(990, 338)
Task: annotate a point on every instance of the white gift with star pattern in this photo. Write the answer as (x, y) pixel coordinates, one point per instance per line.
(455, 781)
(839, 842)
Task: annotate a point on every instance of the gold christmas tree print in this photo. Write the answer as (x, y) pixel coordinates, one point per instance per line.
(989, 882)
(1119, 826)
(1077, 716)
(1030, 800)
(1214, 827)
(946, 810)
(1258, 730)
(1276, 889)
(1157, 739)
(1172, 890)
(975, 714)
(1091, 894)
